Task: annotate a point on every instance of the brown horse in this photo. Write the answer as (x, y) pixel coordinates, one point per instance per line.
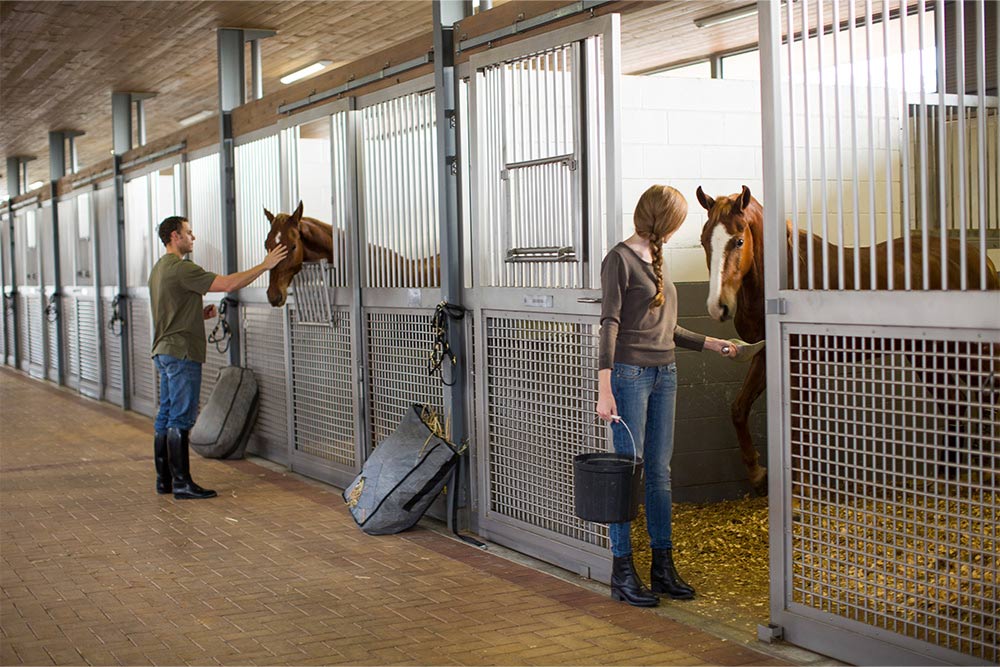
(310, 240)
(733, 240)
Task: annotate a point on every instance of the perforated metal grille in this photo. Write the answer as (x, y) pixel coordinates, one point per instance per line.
(206, 212)
(71, 332)
(312, 295)
(323, 399)
(258, 186)
(11, 333)
(541, 388)
(895, 463)
(52, 340)
(399, 344)
(112, 359)
(87, 326)
(36, 336)
(144, 380)
(264, 353)
(400, 186)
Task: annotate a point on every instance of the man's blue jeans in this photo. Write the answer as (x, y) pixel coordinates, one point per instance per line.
(646, 400)
(180, 391)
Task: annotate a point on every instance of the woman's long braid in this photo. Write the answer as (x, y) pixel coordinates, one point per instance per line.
(656, 249)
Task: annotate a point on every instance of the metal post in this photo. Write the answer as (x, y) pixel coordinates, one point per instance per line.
(231, 95)
(256, 71)
(121, 128)
(16, 184)
(57, 169)
(140, 123)
(446, 14)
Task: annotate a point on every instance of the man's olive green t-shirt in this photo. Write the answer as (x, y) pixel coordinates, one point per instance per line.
(175, 289)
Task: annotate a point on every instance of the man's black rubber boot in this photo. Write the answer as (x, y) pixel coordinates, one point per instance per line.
(664, 578)
(184, 488)
(626, 585)
(163, 482)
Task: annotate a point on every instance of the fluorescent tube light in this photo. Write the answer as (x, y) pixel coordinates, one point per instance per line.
(36, 185)
(196, 118)
(305, 71)
(726, 16)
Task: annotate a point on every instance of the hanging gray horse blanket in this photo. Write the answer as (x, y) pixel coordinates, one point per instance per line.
(224, 425)
(401, 478)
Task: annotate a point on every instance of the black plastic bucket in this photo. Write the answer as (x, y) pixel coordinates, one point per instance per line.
(607, 486)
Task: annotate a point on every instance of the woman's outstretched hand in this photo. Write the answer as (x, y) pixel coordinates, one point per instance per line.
(723, 347)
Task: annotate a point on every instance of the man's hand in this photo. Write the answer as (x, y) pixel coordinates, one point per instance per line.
(278, 253)
(209, 312)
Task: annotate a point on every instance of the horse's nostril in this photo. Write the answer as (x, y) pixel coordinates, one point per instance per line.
(725, 312)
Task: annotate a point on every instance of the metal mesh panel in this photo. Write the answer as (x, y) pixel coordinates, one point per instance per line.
(258, 186)
(144, 380)
(206, 212)
(400, 213)
(107, 233)
(52, 342)
(541, 387)
(323, 388)
(264, 352)
(71, 331)
(112, 360)
(89, 353)
(9, 307)
(895, 464)
(35, 333)
(398, 346)
(137, 232)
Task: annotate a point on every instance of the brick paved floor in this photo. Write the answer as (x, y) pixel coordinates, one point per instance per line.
(98, 569)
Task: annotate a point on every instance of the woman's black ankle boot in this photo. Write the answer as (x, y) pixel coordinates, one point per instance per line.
(664, 578)
(626, 585)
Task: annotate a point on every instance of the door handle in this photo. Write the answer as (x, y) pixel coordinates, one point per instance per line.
(589, 299)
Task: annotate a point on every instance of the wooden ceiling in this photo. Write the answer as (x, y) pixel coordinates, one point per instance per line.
(60, 61)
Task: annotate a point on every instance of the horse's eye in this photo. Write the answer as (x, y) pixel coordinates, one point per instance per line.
(739, 243)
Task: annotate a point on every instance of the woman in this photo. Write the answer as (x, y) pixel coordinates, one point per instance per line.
(638, 382)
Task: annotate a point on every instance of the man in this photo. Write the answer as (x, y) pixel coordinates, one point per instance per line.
(176, 288)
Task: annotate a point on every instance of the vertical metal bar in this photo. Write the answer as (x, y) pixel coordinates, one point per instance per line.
(856, 186)
(140, 122)
(231, 83)
(808, 144)
(839, 146)
(256, 73)
(775, 280)
(824, 190)
(412, 172)
(923, 151)
(904, 171)
(872, 232)
(981, 133)
(794, 212)
(962, 212)
(942, 140)
(890, 235)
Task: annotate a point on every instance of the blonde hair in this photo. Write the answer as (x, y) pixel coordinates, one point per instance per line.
(658, 214)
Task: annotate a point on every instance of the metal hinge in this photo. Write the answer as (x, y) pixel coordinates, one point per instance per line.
(776, 307)
(452, 162)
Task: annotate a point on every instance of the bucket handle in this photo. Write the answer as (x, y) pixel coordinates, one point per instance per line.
(635, 450)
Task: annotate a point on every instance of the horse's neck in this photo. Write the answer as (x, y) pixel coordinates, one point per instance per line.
(317, 240)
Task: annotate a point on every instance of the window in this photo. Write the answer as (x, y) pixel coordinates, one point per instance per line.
(702, 70)
(742, 66)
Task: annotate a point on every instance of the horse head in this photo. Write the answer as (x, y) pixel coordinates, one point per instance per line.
(728, 240)
(285, 230)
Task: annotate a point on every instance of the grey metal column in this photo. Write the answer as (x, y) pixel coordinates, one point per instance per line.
(231, 95)
(57, 169)
(15, 186)
(121, 130)
(446, 14)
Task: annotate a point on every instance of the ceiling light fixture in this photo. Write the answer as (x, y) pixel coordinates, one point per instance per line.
(196, 118)
(305, 71)
(36, 185)
(726, 16)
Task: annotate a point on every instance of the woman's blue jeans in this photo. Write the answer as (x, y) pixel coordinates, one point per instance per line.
(180, 391)
(646, 400)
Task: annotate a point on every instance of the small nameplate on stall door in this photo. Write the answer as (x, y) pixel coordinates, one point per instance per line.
(538, 301)
(413, 297)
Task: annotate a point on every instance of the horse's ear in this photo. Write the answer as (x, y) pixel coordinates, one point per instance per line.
(745, 198)
(789, 229)
(270, 216)
(297, 215)
(703, 199)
